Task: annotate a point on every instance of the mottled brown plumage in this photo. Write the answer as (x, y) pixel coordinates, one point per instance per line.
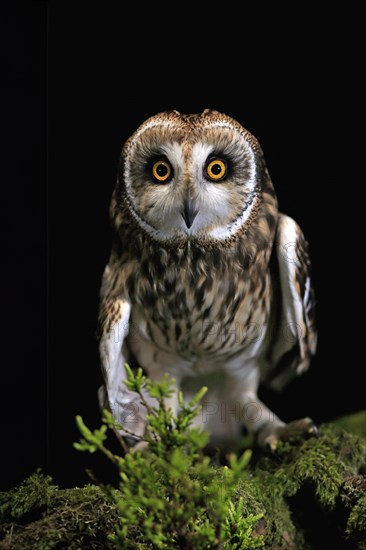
(206, 281)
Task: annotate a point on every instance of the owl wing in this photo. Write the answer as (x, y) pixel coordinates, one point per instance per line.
(114, 327)
(293, 334)
(114, 315)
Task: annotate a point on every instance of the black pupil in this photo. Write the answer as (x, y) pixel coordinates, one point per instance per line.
(216, 169)
(162, 170)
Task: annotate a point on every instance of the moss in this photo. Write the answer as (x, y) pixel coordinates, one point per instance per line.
(327, 469)
(324, 463)
(277, 525)
(39, 515)
(272, 489)
(356, 525)
(354, 497)
(31, 495)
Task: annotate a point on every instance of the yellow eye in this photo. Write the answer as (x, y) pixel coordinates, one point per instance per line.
(161, 171)
(216, 169)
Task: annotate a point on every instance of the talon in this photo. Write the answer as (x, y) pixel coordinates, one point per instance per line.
(271, 445)
(270, 448)
(312, 429)
(271, 435)
(140, 447)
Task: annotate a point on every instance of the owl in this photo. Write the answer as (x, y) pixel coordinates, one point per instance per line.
(207, 282)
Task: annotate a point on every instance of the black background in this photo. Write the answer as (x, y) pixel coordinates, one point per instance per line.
(293, 89)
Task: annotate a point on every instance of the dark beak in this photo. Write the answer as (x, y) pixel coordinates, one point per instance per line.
(189, 212)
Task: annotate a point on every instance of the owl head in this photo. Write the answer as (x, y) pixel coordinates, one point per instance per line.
(193, 177)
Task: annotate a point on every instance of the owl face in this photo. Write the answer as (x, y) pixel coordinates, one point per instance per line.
(191, 176)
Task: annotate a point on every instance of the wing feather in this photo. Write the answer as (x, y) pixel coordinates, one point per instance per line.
(294, 331)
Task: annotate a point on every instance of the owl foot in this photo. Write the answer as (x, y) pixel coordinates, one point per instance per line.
(270, 434)
(141, 446)
(133, 444)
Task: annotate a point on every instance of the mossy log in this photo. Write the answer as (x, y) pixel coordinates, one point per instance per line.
(312, 494)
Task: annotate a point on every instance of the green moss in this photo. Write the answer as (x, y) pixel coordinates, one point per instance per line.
(173, 496)
(354, 497)
(356, 525)
(34, 493)
(319, 465)
(322, 463)
(39, 515)
(259, 496)
(262, 496)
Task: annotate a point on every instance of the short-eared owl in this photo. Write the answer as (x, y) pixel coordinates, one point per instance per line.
(207, 281)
